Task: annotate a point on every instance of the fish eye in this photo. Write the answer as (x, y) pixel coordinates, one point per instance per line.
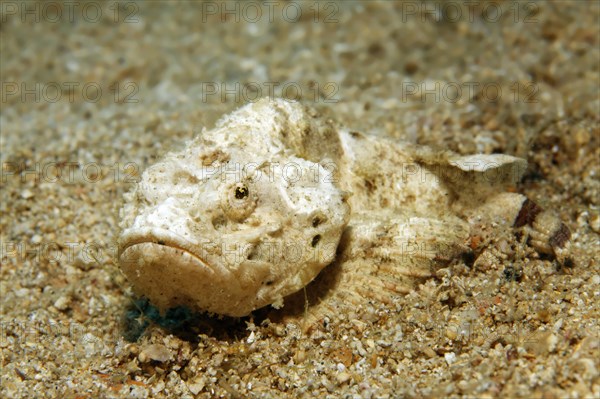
(241, 191)
(238, 201)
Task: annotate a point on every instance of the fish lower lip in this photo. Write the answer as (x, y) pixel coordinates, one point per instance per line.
(168, 276)
(171, 271)
(159, 237)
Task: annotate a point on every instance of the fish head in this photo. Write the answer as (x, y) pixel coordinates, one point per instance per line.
(221, 229)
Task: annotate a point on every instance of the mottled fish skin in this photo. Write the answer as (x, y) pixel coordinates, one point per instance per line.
(252, 211)
(234, 222)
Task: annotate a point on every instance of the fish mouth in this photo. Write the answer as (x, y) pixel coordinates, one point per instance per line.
(156, 237)
(169, 270)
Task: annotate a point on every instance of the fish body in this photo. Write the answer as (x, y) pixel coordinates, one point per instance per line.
(254, 209)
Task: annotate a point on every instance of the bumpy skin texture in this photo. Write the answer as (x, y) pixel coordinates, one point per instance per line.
(235, 221)
(252, 210)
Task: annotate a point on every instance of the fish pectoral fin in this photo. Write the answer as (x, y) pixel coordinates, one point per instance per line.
(415, 244)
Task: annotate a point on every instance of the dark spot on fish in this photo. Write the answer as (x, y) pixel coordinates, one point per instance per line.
(315, 240)
(219, 222)
(528, 213)
(560, 237)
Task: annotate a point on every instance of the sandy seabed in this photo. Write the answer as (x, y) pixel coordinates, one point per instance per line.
(93, 93)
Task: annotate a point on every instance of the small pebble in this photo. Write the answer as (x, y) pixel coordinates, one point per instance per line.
(156, 352)
(450, 358)
(197, 386)
(343, 377)
(62, 303)
(22, 292)
(300, 356)
(429, 352)
(594, 222)
(544, 343)
(133, 349)
(451, 332)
